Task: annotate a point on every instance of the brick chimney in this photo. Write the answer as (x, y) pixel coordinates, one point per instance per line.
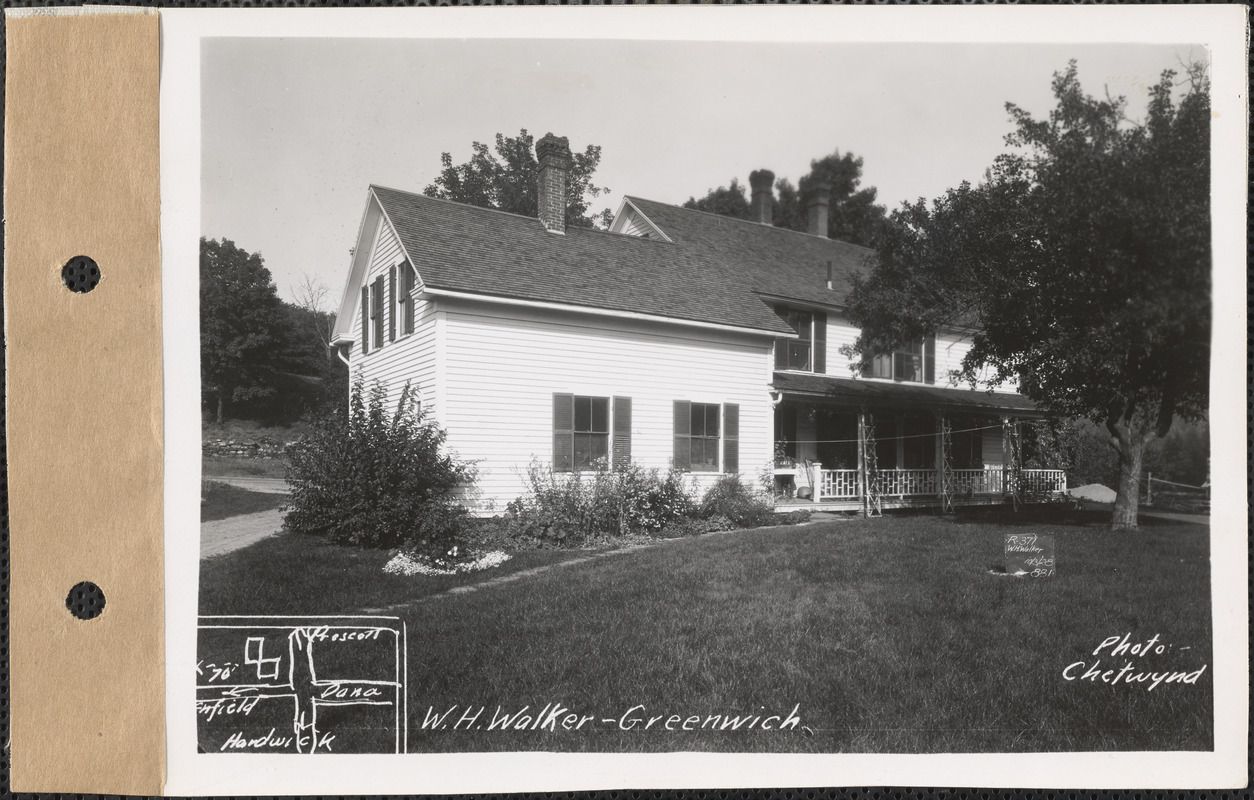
(553, 153)
(762, 182)
(817, 197)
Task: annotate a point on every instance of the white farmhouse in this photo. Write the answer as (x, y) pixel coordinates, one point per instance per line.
(677, 337)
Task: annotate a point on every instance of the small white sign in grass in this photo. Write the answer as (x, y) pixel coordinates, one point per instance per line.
(404, 564)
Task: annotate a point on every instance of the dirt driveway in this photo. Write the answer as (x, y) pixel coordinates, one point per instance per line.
(221, 536)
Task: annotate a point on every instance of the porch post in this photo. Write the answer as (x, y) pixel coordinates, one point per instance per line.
(862, 485)
(1005, 456)
(944, 472)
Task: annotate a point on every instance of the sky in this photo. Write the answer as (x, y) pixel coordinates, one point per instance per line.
(294, 130)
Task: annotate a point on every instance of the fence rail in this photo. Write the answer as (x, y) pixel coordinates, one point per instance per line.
(842, 484)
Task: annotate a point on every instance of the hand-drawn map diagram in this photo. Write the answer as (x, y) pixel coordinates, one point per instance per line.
(300, 685)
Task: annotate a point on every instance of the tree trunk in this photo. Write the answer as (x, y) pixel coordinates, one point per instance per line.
(219, 408)
(1131, 450)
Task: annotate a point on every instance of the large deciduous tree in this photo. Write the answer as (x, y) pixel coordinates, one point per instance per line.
(1083, 261)
(244, 330)
(853, 215)
(506, 180)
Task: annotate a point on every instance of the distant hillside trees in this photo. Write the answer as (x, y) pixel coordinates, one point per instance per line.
(853, 215)
(505, 178)
(255, 349)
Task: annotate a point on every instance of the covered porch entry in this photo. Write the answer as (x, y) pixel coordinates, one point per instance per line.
(855, 445)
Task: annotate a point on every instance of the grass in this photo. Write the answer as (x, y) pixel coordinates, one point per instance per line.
(230, 466)
(298, 574)
(889, 635)
(221, 500)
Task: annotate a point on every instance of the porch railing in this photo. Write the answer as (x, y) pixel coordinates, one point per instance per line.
(842, 484)
(979, 481)
(839, 484)
(1043, 481)
(907, 482)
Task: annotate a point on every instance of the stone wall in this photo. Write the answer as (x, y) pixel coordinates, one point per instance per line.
(244, 448)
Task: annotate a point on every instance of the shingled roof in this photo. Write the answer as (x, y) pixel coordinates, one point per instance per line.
(713, 269)
(771, 261)
(884, 394)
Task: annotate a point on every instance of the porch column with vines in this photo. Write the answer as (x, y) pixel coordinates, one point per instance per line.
(945, 465)
(868, 466)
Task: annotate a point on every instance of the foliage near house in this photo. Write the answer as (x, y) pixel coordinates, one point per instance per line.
(259, 355)
(853, 214)
(376, 478)
(1083, 260)
(506, 180)
(574, 510)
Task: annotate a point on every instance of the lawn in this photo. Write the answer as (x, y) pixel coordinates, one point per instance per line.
(231, 466)
(886, 635)
(221, 500)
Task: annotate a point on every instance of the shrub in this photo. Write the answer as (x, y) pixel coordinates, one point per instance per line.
(695, 526)
(375, 479)
(574, 509)
(730, 498)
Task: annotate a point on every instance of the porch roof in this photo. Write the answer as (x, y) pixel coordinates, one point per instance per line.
(883, 394)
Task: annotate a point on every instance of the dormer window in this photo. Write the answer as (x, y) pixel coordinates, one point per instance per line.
(806, 352)
(913, 362)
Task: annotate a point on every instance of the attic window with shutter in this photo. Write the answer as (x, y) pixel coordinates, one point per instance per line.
(376, 311)
(405, 298)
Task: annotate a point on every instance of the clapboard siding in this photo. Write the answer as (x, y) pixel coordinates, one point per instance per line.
(502, 367)
(951, 348)
(840, 333)
(411, 357)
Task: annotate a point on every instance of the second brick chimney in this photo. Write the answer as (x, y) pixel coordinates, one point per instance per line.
(816, 195)
(553, 153)
(761, 181)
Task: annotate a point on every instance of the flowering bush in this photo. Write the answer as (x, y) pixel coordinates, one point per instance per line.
(404, 564)
(377, 479)
(574, 509)
(730, 498)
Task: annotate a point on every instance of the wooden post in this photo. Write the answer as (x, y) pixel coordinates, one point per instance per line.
(816, 481)
(862, 476)
(1005, 456)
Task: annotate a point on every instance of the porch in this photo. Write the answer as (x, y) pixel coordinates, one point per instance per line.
(843, 489)
(859, 445)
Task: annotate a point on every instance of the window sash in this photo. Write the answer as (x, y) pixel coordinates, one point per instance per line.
(700, 443)
(581, 432)
(909, 363)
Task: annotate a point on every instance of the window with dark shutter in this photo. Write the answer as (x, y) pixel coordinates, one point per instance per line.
(683, 423)
(929, 359)
(581, 432)
(563, 432)
(622, 432)
(407, 298)
(697, 427)
(365, 320)
(392, 304)
(731, 437)
(795, 353)
(376, 311)
(820, 343)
